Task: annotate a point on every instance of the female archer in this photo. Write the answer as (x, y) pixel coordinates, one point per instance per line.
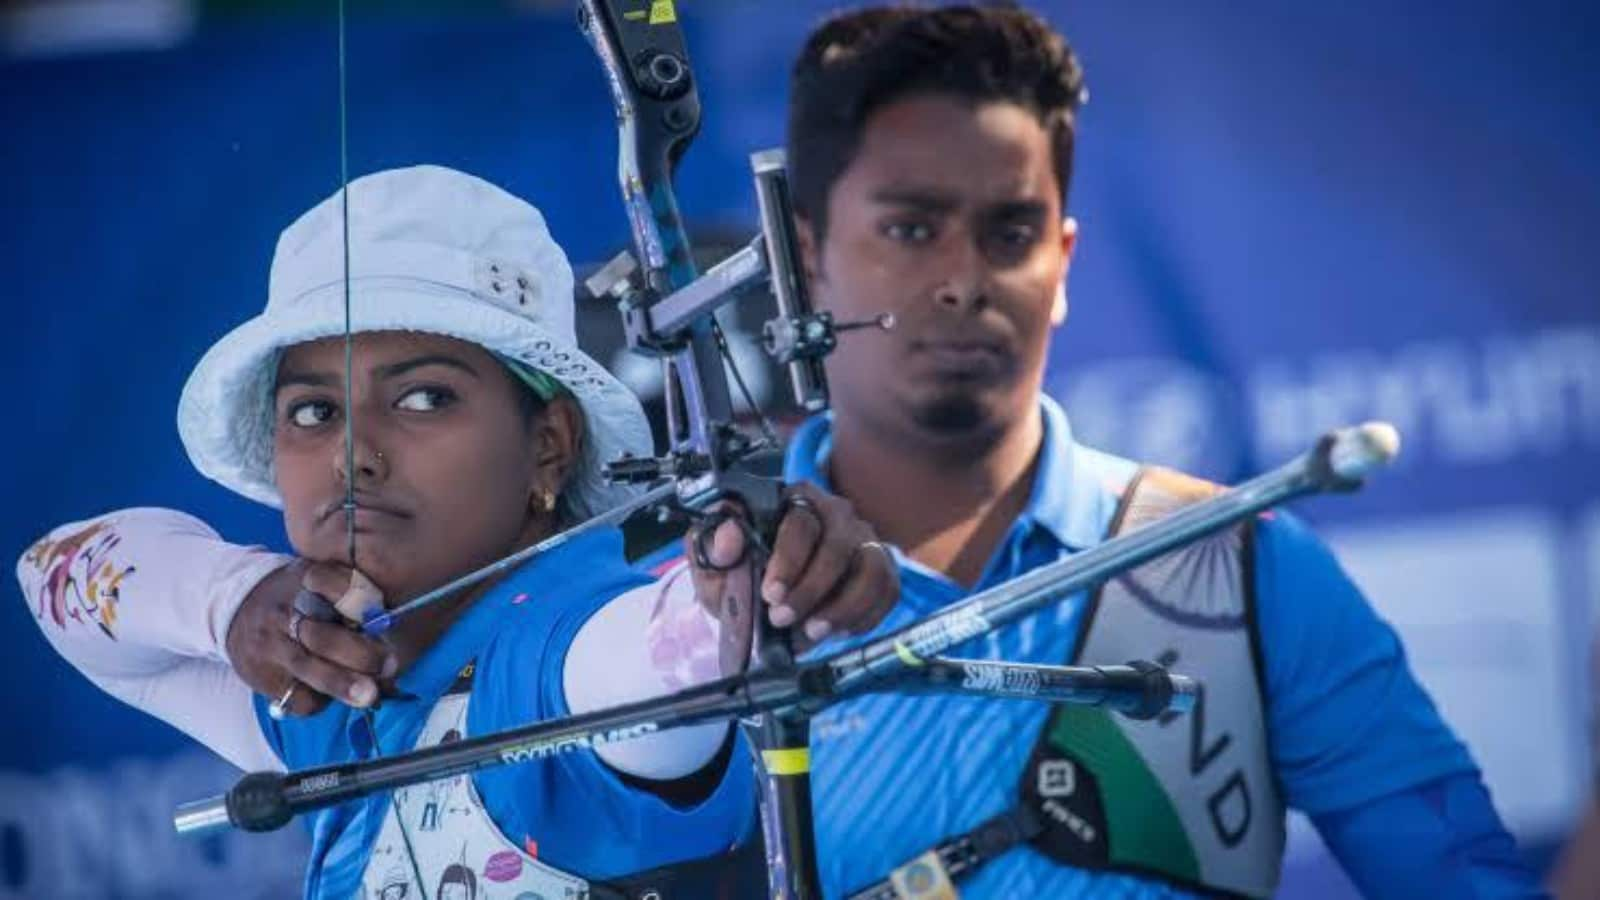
(416, 356)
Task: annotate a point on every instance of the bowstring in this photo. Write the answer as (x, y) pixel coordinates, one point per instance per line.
(349, 343)
(349, 410)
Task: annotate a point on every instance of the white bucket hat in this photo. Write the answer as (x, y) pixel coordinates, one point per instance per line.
(431, 250)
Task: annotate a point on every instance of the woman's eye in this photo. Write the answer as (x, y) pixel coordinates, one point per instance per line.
(908, 232)
(310, 413)
(425, 399)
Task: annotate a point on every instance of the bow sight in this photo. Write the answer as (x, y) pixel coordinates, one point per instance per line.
(671, 314)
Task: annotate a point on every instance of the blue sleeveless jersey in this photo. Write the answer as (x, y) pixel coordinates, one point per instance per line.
(572, 808)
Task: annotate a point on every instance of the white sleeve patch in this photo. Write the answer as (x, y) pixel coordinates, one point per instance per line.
(647, 642)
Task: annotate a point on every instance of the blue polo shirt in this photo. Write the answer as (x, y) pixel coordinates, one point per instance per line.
(583, 818)
(1348, 724)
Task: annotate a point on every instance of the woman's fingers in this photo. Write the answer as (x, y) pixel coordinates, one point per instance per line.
(346, 648)
(326, 678)
(349, 591)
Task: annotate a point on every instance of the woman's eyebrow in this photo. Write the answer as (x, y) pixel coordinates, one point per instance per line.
(310, 379)
(393, 370)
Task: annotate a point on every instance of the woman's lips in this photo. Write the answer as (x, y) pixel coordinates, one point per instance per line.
(366, 514)
(369, 517)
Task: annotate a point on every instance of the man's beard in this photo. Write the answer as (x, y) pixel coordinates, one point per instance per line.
(952, 414)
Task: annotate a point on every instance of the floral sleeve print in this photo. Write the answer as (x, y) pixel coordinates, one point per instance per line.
(77, 578)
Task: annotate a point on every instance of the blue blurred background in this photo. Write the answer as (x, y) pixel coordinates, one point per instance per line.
(1294, 214)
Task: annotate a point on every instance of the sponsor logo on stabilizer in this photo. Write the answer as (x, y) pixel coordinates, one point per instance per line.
(318, 783)
(943, 633)
(991, 677)
(556, 746)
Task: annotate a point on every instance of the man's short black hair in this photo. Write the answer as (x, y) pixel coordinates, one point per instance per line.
(858, 62)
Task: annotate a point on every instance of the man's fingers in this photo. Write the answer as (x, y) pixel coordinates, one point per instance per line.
(348, 649)
(822, 574)
(867, 594)
(792, 550)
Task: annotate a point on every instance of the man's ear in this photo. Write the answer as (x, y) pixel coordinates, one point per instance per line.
(810, 248)
(1069, 243)
(557, 444)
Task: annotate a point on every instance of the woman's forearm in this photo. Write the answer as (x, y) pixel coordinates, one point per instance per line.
(140, 601)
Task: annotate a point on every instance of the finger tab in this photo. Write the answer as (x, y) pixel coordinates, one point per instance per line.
(360, 598)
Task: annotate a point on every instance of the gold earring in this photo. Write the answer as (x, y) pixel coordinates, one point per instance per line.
(545, 501)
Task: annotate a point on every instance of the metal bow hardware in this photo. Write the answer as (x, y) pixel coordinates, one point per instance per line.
(669, 313)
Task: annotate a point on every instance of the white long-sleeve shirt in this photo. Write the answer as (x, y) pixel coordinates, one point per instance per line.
(140, 601)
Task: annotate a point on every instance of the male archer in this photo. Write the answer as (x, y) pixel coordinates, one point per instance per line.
(930, 153)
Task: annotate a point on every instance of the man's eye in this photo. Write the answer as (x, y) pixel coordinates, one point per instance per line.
(426, 399)
(310, 413)
(908, 232)
(1017, 235)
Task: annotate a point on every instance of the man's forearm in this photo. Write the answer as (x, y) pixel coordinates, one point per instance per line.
(1442, 839)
